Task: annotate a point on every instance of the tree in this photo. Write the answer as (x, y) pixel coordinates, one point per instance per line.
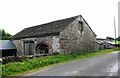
(118, 38)
(109, 38)
(4, 35)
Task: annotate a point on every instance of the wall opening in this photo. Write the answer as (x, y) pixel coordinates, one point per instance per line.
(82, 28)
(42, 48)
(28, 47)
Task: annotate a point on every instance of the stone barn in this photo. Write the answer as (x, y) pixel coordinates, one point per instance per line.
(61, 36)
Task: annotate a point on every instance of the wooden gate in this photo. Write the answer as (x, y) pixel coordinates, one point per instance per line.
(29, 48)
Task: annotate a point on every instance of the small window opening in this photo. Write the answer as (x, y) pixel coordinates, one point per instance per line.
(82, 28)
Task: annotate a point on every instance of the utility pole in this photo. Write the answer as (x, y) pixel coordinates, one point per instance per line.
(115, 30)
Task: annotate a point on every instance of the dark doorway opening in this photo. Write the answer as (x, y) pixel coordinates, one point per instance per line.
(8, 52)
(42, 48)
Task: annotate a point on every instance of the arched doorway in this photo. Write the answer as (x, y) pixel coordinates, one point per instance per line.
(42, 48)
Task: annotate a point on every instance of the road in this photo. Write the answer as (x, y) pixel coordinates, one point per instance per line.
(100, 65)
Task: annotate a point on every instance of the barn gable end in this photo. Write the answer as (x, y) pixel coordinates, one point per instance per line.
(78, 36)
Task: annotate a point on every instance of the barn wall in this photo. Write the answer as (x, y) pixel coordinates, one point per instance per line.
(18, 44)
(52, 41)
(77, 38)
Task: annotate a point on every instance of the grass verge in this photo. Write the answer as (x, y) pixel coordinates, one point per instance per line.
(116, 41)
(39, 62)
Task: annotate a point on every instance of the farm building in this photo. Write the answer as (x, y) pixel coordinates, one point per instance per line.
(7, 48)
(61, 36)
(104, 43)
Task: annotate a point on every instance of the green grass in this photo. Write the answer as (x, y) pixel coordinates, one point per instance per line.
(12, 68)
(116, 41)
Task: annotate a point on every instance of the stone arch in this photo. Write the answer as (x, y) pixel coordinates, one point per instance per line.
(43, 48)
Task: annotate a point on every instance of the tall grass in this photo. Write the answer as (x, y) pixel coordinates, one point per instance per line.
(40, 62)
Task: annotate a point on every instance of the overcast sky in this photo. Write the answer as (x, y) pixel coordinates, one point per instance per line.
(16, 15)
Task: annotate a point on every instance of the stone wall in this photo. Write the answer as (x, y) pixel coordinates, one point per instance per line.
(18, 44)
(77, 37)
(52, 41)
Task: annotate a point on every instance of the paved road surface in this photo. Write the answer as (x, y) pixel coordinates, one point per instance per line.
(100, 65)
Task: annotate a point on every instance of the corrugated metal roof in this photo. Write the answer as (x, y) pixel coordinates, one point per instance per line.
(6, 44)
(102, 41)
